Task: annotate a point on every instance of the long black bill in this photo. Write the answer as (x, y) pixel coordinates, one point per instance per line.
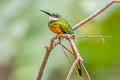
(46, 12)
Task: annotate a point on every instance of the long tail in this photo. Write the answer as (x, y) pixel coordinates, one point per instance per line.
(75, 55)
(79, 69)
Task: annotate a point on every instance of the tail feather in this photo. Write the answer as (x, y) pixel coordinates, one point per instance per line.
(79, 69)
(80, 72)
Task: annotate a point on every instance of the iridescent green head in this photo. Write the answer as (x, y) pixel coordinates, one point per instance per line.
(53, 16)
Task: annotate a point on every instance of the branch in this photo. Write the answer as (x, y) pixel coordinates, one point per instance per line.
(71, 70)
(94, 36)
(66, 48)
(54, 42)
(63, 47)
(97, 36)
(94, 14)
(74, 48)
(45, 59)
(77, 58)
(66, 54)
(85, 71)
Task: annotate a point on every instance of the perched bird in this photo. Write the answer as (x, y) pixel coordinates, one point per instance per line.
(60, 26)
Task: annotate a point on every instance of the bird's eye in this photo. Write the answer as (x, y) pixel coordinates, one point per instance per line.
(56, 16)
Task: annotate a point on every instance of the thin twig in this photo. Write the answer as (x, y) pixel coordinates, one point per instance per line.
(85, 71)
(66, 55)
(77, 57)
(71, 70)
(63, 47)
(66, 48)
(94, 36)
(94, 14)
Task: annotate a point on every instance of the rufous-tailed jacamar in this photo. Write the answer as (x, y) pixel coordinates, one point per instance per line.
(60, 26)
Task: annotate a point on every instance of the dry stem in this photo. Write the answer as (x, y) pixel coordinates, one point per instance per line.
(71, 70)
(63, 47)
(66, 48)
(94, 14)
(78, 57)
(95, 36)
(85, 71)
(48, 50)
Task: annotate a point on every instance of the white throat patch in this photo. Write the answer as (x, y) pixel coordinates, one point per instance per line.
(52, 18)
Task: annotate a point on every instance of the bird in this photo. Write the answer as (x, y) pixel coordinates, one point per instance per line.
(58, 25)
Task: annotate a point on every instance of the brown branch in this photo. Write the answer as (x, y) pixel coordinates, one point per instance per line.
(71, 70)
(66, 55)
(77, 56)
(74, 48)
(45, 59)
(63, 47)
(69, 59)
(85, 71)
(54, 41)
(75, 53)
(94, 14)
(66, 48)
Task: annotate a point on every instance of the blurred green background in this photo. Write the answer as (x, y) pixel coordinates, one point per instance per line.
(24, 33)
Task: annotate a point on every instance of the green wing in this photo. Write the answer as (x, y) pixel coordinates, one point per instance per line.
(65, 27)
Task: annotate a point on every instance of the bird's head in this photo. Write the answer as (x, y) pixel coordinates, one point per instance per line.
(52, 16)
